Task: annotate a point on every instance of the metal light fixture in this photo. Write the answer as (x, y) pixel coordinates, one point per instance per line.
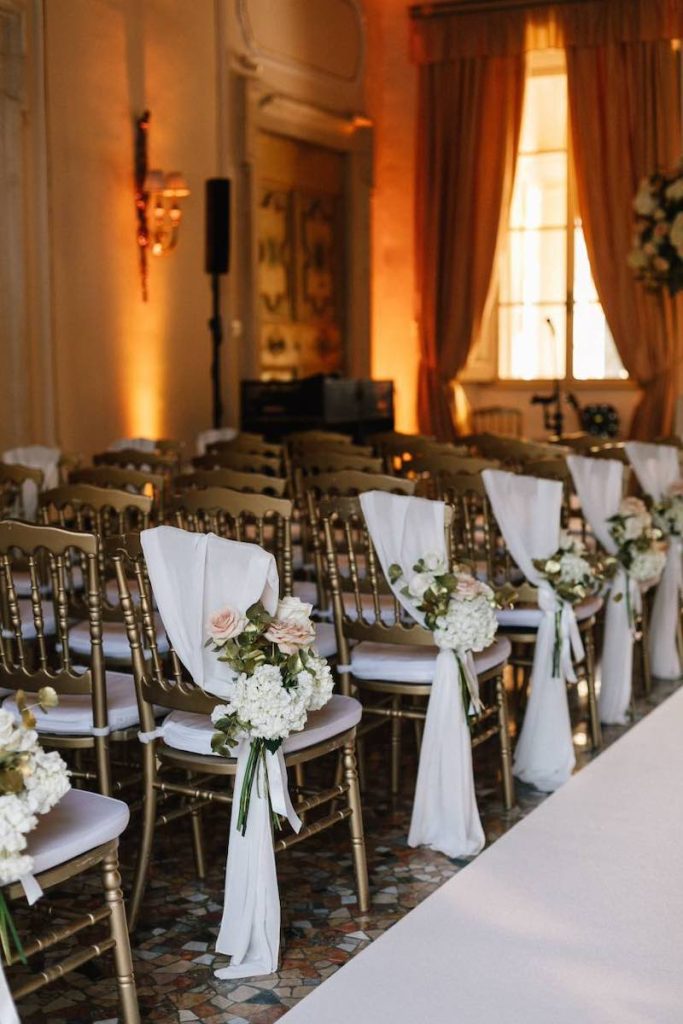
(164, 213)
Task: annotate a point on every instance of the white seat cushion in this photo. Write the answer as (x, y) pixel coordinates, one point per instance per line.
(22, 585)
(28, 628)
(80, 822)
(325, 639)
(410, 663)
(73, 714)
(114, 639)
(306, 590)
(186, 731)
(530, 618)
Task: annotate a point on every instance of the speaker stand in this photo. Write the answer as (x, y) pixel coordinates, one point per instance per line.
(216, 328)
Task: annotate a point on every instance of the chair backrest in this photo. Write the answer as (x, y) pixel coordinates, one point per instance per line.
(325, 461)
(158, 681)
(99, 510)
(164, 463)
(256, 518)
(13, 479)
(245, 443)
(137, 481)
(475, 538)
(615, 451)
(364, 605)
(498, 419)
(319, 437)
(244, 462)
(34, 644)
(234, 479)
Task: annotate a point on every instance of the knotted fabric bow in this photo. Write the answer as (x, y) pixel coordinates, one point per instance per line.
(445, 815)
(192, 576)
(656, 467)
(527, 511)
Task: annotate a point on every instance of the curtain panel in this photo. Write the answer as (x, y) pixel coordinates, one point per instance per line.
(624, 86)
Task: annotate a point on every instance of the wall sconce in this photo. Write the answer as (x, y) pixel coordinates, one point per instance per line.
(156, 203)
(164, 213)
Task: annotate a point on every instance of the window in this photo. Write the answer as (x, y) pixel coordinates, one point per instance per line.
(550, 323)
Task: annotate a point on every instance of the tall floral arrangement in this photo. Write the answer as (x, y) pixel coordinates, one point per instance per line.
(657, 254)
(279, 679)
(458, 609)
(667, 513)
(32, 781)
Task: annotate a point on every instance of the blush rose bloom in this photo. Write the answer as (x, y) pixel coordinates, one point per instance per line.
(290, 635)
(293, 609)
(226, 624)
(467, 588)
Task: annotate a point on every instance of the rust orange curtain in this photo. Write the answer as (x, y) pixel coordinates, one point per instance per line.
(625, 111)
(469, 113)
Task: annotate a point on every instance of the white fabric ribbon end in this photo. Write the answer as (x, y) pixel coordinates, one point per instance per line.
(32, 889)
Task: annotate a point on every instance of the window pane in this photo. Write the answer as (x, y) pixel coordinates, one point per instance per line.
(532, 342)
(535, 270)
(544, 124)
(540, 192)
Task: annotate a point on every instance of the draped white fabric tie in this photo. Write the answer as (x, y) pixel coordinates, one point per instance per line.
(445, 816)
(36, 456)
(656, 467)
(527, 511)
(192, 576)
(8, 1011)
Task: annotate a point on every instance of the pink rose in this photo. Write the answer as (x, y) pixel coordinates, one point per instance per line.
(289, 635)
(226, 624)
(468, 588)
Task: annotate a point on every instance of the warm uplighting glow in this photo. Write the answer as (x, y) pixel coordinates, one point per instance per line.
(164, 191)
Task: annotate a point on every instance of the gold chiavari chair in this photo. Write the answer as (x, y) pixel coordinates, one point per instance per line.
(137, 481)
(615, 451)
(14, 479)
(316, 437)
(514, 453)
(164, 463)
(330, 731)
(391, 665)
(432, 469)
(243, 462)
(234, 479)
(104, 512)
(96, 709)
(243, 443)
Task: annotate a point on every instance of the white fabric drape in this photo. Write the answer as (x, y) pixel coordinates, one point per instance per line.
(445, 816)
(35, 456)
(656, 467)
(8, 1011)
(139, 444)
(527, 511)
(599, 485)
(194, 575)
(207, 437)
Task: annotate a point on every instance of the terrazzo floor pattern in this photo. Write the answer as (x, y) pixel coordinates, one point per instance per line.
(173, 947)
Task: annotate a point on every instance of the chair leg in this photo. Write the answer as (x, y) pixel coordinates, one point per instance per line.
(505, 754)
(300, 780)
(356, 826)
(596, 730)
(360, 749)
(198, 843)
(419, 729)
(645, 654)
(149, 815)
(123, 960)
(396, 724)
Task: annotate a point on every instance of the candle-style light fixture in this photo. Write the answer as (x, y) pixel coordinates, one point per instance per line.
(157, 203)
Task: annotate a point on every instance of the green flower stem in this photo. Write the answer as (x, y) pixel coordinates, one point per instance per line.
(9, 932)
(256, 753)
(558, 644)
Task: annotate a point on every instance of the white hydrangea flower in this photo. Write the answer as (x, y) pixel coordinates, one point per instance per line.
(16, 820)
(262, 701)
(573, 568)
(419, 583)
(647, 566)
(470, 624)
(47, 783)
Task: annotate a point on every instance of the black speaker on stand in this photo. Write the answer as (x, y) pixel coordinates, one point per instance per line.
(217, 263)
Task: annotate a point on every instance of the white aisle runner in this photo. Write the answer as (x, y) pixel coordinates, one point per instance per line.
(575, 915)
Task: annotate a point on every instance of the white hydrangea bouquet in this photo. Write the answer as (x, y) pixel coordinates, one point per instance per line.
(31, 783)
(667, 514)
(639, 546)
(575, 574)
(457, 608)
(657, 254)
(279, 678)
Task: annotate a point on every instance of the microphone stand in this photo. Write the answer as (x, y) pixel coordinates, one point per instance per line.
(216, 328)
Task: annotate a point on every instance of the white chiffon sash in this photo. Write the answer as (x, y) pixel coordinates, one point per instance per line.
(8, 1011)
(599, 486)
(527, 511)
(35, 456)
(656, 467)
(445, 816)
(194, 575)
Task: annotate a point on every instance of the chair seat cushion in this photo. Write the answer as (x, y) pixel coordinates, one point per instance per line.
(411, 663)
(184, 730)
(114, 639)
(28, 628)
(80, 822)
(305, 590)
(530, 618)
(325, 639)
(73, 714)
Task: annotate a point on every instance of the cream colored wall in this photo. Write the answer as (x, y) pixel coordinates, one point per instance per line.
(125, 367)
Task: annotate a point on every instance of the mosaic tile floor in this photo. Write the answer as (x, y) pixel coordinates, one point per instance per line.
(173, 947)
